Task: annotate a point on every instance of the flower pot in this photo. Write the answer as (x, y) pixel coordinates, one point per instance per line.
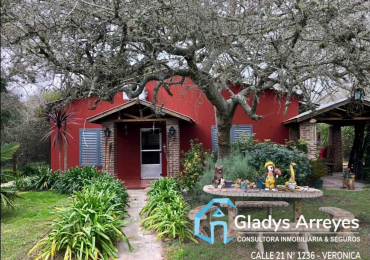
(318, 184)
(243, 185)
(260, 184)
(228, 183)
(292, 185)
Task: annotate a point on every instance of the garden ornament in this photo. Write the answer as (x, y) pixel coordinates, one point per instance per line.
(222, 183)
(270, 180)
(291, 183)
(292, 174)
(218, 175)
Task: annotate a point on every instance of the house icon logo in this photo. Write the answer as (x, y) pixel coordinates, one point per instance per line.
(218, 214)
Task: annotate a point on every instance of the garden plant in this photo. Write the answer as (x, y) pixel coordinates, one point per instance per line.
(167, 211)
(90, 226)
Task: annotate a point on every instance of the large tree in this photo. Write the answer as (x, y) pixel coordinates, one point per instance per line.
(291, 46)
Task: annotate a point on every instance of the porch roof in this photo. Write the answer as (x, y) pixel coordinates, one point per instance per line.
(335, 112)
(107, 115)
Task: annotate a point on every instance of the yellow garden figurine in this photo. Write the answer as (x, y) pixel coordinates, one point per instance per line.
(270, 178)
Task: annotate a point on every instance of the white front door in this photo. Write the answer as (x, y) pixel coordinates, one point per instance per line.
(151, 153)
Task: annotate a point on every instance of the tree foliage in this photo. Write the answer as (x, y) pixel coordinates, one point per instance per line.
(25, 126)
(104, 47)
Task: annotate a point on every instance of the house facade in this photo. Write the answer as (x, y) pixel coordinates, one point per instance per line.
(127, 139)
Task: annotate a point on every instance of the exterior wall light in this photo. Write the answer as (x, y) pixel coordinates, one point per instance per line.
(171, 132)
(107, 132)
(359, 94)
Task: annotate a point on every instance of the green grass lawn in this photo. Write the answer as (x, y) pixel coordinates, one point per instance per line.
(23, 227)
(356, 202)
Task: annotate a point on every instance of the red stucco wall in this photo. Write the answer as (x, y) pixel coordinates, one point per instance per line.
(188, 100)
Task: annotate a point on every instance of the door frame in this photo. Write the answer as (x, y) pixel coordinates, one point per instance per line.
(159, 150)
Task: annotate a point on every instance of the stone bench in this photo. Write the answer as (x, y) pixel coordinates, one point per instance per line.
(260, 204)
(301, 231)
(339, 214)
(205, 219)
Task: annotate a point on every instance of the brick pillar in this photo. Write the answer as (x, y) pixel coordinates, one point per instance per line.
(335, 141)
(307, 131)
(293, 132)
(110, 158)
(173, 148)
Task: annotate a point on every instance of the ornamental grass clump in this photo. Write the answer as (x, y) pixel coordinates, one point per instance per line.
(89, 228)
(44, 179)
(75, 179)
(167, 211)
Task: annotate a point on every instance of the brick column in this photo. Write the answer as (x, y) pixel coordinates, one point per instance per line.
(293, 132)
(335, 141)
(173, 148)
(110, 158)
(307, 131)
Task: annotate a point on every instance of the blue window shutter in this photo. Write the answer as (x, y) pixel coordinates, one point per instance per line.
(237, 130)
(91, 147)
(214, 138)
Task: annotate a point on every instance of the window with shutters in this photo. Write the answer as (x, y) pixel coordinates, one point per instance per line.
(91, 147)
(236, 132)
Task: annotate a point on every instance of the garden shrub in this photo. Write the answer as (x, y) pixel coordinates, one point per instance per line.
(282, 157)
(167, 211)
(244, 143)
(192, 165)
(44, 179)
(75, 179)
(300, 144)
(24, 183)
(32, 169)
(235, 166)
(163, 185)
(318, 170)
(106, 182)
(89, 228)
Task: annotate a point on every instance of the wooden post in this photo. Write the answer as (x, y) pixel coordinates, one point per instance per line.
(269, 212)
(297, 209)
(231, 218)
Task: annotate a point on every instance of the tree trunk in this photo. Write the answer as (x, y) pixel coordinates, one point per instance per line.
(224, 123)
(355, 160)
(65, 156)
(65, 147)
(60, 158)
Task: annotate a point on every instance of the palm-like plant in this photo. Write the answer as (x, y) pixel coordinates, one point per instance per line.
(7, 151)
(58, 119)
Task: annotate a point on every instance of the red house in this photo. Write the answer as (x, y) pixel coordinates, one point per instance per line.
(141, 146)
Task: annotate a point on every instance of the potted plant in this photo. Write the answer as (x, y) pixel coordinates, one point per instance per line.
(318, 170)
(292, 184)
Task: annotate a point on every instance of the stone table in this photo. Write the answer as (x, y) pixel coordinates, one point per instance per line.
(234, 192)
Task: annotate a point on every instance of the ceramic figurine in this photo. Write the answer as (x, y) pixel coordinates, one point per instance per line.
(222, 184)
(291, 183)
(278, 174)
(270, 179)
(218, 175)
